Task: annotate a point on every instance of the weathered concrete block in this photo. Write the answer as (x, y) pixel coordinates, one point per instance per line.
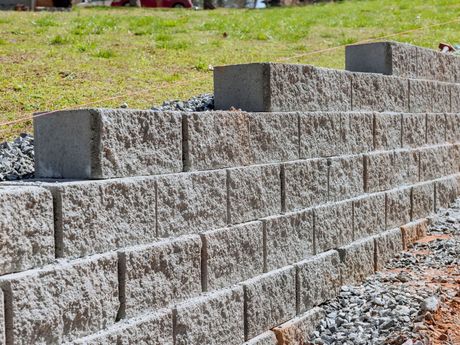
(406, 167)
(305, 183)
(232, 255)
(105, 337)
(387, 131)
(435, 162)
(26, 228)
(379, 171)
(434, 65)
(446, 191)
(2, 320)
(318, 280)
(333, 225)
(413, 130)
(160, 274)
(422, 200)
(346, 177)
(455, 97)
(276, 289)
(272, 87)
(387, 245)
(298, 330)
(398, 207)
(253, 192)
(453, 127)
(266, 338)
(214, 319)
(413, 231)
(357, 261)
(62, 302)
(368, 215)
(376, 92)
(104, 143)
(191, 203)
(435, 128)
(429, 96)
(288, 238)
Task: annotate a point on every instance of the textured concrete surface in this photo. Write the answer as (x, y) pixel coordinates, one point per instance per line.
(299, 329)
(434, 162)
(191, 203)
(429, 96)
(379, 171)
(346, 177)
(305, 183)
(333, 225)
(288, 238)
(104, 143)
(357, 261)
(398, 207)
(406, 167)
(387, 131)
(422, 200)
(435, 128)
(232, 255)
(453, 127)
(253, 192)
(269, 300)
(437, 66)
(446, 192)
(2, 320)
(62, 302)
(455, 97)
(26, 228)
(368, 215)
(387, 245)
(413, 231)
(161, 274)
(413, 130)
(214, 319)
(318, 280)
(267, 338)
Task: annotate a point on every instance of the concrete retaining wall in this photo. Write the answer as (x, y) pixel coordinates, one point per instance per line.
(242, 225)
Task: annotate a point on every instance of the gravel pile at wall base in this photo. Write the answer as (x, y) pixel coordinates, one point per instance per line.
(400, 305)
(17, 158)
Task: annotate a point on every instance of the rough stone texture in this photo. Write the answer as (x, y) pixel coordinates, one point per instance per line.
(435, 128)
(413, 130)
(2, 320)
(446, 192)
(422, 200)
(387, 245)
(398, 207)
(406, 167)
(26, 228)
(161, 274)
(434, 65)
(428, 96)
(104, 143)
(434, 162)
(298, 330)
(379, 171)
(216, 139)
(191, 203)
(453, 127)
(288, 238)
(413, 231)
(232, 254)
(214, 319)
(333, 225)
(455, 97)
(357, 261)
(105, 337)
(305, 183)
(62, 302)
(274, 137)
(387, 131)
(379, 93)
(368, 215)
(346, 177)
(267, 338)
(269, 300)
(318, 280)
(253, 192)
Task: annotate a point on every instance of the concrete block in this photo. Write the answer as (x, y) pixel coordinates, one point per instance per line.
(413, 231)
(274, 137)
(26, 228)
(269, 87)
(253, 192)
(406, 167)
(269, 300)
(288, 238)
(62, 302)
(300, 329)
(318, 280)
(434, 162)
(2, 320)
(231, 255)
(105, 337)
(266, 338)
(368, 215)
(346, 177)
(446, 191)
(387, 245)
(191, 203)
(214, 319)
(434, 65)
(379, 171)
(398, 207)
(333, 225)
(453, 127)
(357, 130)
(160, 274)
(387, 131)
(105, 143)
(215, 140)
(435, 128)
(357, 261)
(455, 97)
(305, 183)
(422, 200)
(413, 129)
(376, 92)
(427, 96)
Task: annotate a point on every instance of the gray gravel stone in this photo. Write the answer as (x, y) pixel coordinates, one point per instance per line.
(203, 102)
(17, 158)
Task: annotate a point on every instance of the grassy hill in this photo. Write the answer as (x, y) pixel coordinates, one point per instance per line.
(109, 56)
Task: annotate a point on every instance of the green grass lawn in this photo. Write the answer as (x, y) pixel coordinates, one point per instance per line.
(50, 61)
